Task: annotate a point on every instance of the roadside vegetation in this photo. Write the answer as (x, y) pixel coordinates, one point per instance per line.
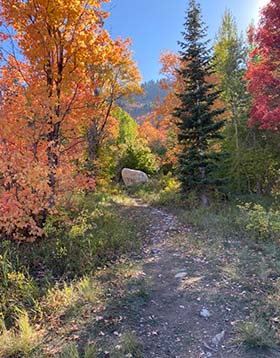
(56, 277)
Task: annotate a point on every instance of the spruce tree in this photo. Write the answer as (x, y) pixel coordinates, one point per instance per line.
(197, 119)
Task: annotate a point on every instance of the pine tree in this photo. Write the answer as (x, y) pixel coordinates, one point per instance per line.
(197, 119)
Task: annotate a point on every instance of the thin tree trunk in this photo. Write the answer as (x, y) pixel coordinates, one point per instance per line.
(204, 200)
(203, 196)
(93, 146)
(53, 139)
(235, 123)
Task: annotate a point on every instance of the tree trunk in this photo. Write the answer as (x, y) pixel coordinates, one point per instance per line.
(203, 196)
(204, 200)
(237, 151)
(93, 146)
(53, 139)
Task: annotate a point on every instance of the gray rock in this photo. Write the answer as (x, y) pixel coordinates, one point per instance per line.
(181, 275)
(131, 177)
(218, 339)
(155, 252)
(205, 313)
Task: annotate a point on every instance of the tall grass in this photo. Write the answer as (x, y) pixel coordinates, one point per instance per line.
(46, 278)
(19, 341)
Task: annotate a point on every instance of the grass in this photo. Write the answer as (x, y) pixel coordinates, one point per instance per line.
(70, 351)
(89, 290)
(58, 299)
(19, 341)
(255, 334)
(90, 351)
(54, 277)
(243, 262)
(158, 191)
(128, 346)
(89, 308)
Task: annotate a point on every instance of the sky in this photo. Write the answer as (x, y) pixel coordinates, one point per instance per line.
(156, 25)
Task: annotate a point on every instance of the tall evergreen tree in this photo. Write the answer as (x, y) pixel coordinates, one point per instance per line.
(198, 120)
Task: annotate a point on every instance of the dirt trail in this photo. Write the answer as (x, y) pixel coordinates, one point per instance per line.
(182, 295)
(183, 289)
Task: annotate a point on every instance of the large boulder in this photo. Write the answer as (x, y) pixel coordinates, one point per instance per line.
(131, 176)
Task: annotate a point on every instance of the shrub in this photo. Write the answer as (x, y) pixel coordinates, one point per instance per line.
(138, 156)
(163, 191)
(261, 223)
(276, 188)
(169, 194)
(75, 243)
(90, 351)
(89, 289)
(96, 233)
(59, 299)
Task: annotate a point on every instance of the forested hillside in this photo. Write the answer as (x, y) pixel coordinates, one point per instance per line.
(138, 106)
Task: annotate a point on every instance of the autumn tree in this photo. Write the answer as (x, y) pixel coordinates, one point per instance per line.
(262, 140)
(115, 78)
(46, 93)
(263, 72)
(230, 56)
(197, 122)
(127, 126)
(158, 127)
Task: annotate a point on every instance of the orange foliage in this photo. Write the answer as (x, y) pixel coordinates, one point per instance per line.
(69, 76)
(150, 134)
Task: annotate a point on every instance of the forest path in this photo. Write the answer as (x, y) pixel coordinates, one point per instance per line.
(185, 307)
(183, 294)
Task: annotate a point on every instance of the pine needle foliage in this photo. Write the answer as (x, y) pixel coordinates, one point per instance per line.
(197, 116)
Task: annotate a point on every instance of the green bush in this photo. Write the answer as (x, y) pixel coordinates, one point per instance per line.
(255, 334)
(261, 223)
(163, 191)
(276, 189)
(94, 237)
(170, 192)
(70, 351)
(138, 156)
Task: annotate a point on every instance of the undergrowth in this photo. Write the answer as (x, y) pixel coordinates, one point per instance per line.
(59, 276)
(48, 278)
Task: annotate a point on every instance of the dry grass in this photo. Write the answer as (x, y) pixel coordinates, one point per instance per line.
(20, 341)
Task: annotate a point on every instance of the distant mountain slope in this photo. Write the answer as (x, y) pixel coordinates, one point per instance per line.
(141, 105)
